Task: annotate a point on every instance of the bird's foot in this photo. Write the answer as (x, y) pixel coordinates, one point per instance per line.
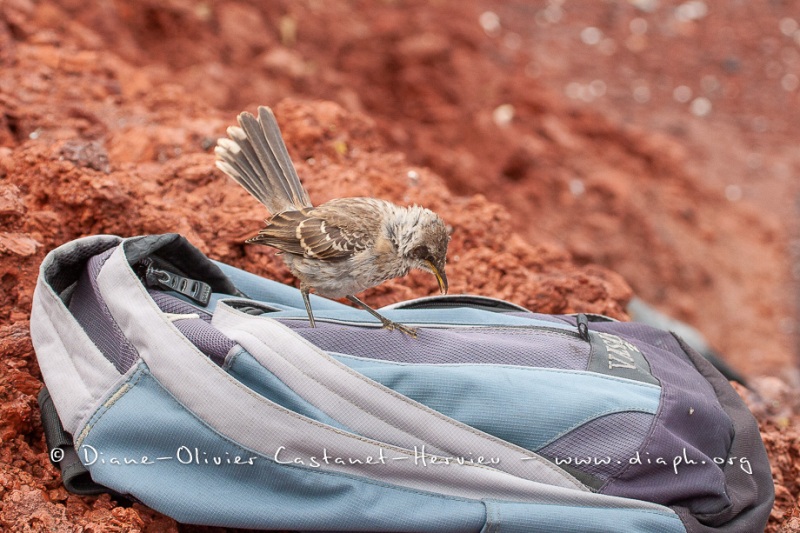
(391, 326)
(387, 324)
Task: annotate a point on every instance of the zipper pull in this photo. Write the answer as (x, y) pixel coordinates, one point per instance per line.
(196, 290)
(583, 326)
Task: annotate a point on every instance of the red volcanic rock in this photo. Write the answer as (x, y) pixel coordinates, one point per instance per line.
(109, 114)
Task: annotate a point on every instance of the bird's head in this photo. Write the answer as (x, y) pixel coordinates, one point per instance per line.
(423, 244)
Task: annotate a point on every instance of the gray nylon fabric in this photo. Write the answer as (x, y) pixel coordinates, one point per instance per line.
(171, 304)
(64, 268)
(75, 383)
(752, 493)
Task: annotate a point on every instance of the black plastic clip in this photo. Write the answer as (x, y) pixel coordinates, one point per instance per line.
(583, 326)
(74, 475)
(196, 290)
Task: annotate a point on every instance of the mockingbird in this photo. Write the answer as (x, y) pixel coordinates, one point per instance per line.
(341, 247)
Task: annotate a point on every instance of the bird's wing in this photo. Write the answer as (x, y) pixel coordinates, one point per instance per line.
(303, 233)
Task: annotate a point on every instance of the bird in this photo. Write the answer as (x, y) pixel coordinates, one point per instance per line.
(341, 247)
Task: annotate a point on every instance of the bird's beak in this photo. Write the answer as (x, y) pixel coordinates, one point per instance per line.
(441, 277)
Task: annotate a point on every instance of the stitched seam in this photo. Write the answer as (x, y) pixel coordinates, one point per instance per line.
(716, 395)
(333, 473)
(667, 513)
(232, 356)
(331, 391)
(584, 373)
(577, 425)
(518, 329)
(55, 300)
(645, 442)
(103, 408)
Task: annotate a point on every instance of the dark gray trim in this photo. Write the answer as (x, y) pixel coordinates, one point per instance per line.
(752, 495)
(178, 252)
(484, 303)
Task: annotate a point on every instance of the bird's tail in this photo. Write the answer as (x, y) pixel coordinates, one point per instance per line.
(256, 157)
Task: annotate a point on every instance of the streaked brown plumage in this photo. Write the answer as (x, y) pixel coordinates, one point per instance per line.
(341, 247)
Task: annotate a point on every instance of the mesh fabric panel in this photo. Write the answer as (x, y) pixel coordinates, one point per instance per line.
(199, 331)
(171, 304)
(206, 337)
(94, 317)
(509, 346)
(614, 438)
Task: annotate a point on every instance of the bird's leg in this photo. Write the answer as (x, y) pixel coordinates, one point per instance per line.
(306, 301)
(388, 324)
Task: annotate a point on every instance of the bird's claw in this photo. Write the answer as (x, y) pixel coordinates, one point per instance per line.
(391, 326)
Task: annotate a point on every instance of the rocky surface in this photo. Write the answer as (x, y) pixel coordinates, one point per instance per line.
(108, 116)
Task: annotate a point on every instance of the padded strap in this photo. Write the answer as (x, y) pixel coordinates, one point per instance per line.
(75, 371)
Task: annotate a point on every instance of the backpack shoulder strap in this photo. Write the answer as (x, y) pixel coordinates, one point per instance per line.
(76, 372)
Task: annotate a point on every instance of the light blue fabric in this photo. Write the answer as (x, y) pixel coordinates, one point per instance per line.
(547, 403)
(182, 481)
(147, 421)
(510, 517)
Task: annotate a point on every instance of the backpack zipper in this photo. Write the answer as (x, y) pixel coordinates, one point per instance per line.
(572, 333)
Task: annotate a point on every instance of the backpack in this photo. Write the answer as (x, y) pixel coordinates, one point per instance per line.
(200, 390)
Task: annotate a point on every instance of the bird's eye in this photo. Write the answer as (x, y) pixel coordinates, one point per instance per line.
(420, 252)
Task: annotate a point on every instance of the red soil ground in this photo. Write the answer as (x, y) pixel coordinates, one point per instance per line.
(583, 151)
